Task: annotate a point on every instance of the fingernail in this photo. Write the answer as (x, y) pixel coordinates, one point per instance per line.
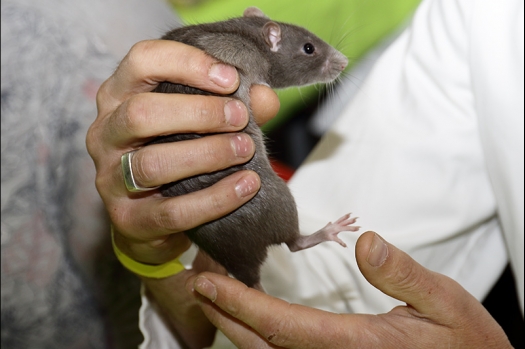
(223, 75)
(242, 145)
(235, 113)
(205, 288)
(378, 252)
(247, 185)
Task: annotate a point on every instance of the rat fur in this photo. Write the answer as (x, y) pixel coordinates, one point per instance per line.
(278, 55)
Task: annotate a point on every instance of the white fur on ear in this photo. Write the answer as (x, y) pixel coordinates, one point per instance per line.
(254, 12)
(272, 35)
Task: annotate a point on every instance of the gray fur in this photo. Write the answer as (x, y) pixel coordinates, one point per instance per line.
(239, 241)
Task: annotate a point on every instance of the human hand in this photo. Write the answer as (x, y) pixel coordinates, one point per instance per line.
(439, 312)
(147, 225)
(129, 116)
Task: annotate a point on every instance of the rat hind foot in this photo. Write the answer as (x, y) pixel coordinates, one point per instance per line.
(328, 233)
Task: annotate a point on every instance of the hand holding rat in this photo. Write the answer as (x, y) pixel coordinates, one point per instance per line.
(129, 116)
(439, 312)
(262, 50)
(147, 226)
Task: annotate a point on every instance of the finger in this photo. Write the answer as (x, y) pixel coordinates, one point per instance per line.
(147, 115)
(235, 328)
(152, 217)
(150, 62)
(148, 225)
(158, 164)
(264, 102)
(240, 334)
(395, 273)
(278, 322)
(203, 262)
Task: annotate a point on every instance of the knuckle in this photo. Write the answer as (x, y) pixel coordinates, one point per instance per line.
(100, 183)
(105, 180)
(101, 95)
(120, 217)
(196, 61)
(278, 332)
(188, 211)
(147, 167)
(92, 140)
(136, 113)
(209, 151)
(223, 148)
(138, 54)
(217, 201)
(404, 277)
(197, 157)
(204, 113)
(171, 217)
(217, 204)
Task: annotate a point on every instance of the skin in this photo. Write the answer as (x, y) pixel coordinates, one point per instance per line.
(147, 225)
(438, 313)
(129, 116)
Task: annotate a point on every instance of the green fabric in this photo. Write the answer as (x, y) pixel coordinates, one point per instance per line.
(352, 26)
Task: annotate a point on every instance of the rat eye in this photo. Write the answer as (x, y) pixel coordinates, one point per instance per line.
(309, 48)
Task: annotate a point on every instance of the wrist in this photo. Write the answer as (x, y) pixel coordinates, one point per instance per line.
(180, 309)
(157, 271)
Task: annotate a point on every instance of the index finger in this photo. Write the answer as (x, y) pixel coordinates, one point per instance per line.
(151, 62)
(280, 323)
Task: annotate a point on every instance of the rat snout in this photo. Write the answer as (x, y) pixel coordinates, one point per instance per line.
(344, 64)
(342, 60)
(334, 65)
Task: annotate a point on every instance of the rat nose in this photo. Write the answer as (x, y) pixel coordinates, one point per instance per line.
(344, 63)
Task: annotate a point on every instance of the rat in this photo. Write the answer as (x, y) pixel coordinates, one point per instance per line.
(278, 55)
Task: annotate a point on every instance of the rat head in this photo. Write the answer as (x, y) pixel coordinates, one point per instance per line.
(297, 56)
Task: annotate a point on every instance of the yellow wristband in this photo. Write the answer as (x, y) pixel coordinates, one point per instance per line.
(151, 271)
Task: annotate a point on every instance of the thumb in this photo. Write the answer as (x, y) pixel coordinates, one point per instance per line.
(264, 103)
(395, 273)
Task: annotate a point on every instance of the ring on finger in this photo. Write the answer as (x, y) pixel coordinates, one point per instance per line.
(129, 180)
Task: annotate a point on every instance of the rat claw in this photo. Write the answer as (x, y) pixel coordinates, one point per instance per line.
(345, 217)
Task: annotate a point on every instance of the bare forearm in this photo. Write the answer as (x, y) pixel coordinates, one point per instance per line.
(183, 313)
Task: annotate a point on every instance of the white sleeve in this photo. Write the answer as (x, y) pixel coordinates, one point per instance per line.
(406, 156)
(496, 60)
(154, 328)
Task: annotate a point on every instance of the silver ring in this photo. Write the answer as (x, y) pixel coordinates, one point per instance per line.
(131, 185)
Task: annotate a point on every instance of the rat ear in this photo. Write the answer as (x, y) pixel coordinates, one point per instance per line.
(272, 35)
(254, 12)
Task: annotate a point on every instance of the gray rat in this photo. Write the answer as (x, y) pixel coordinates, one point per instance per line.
(278, 55)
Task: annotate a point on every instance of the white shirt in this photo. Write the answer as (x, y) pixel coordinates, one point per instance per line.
(429, 154)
